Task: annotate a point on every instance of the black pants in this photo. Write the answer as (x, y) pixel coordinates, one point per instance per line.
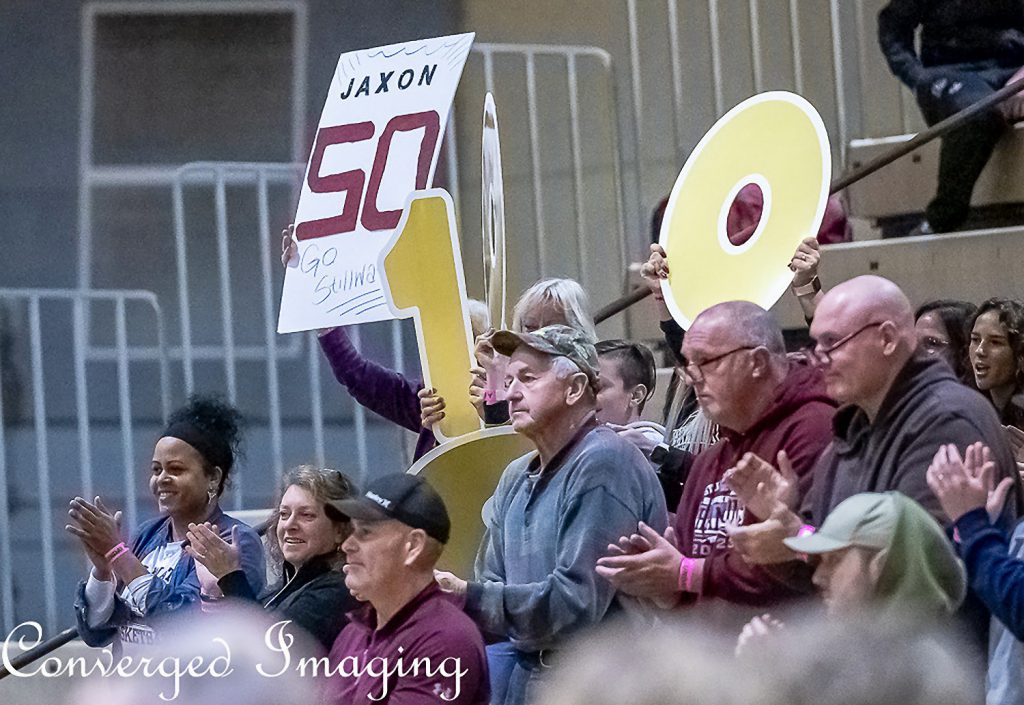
(965, 150)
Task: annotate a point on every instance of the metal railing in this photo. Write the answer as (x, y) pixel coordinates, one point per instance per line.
(79, 301)
(850, 83)
(587, 233)
(260, 177)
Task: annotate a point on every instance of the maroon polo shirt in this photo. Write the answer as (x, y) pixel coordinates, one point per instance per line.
(430, 650)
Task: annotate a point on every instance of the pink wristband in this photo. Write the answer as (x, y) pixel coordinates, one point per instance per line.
(112, 552)
(686, 566)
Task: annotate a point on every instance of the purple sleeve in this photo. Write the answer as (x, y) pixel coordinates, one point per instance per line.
(382, 391)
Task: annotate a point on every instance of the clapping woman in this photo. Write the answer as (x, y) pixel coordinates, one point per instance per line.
(304, 536)
(132, 585)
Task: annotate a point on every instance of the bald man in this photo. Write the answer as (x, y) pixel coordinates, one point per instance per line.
(763, 403)
(897, 409)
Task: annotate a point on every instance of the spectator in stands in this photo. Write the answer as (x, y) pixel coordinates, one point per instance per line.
(386, 392)
(400, 525)
(305, 535)
(627, 378)
(883, 549)
(879, 553)
(764, 404)
(692, 431)
(968, 51)
(548, 302)
(131, 587)
(997, 357)
(994, 559)
(941, 327)
(554, 511)
(900, 407)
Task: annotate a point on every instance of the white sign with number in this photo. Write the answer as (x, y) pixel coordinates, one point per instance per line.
(378, 140)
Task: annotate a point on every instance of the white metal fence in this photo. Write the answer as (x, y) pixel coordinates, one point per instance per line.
(567, 138)
(45, 351)
(689, 61)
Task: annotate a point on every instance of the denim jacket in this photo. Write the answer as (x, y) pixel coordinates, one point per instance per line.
(181, 590)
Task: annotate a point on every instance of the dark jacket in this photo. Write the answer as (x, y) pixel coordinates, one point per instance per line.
(952, 32)
(379, 389)
(314, 597)
(926, 407)
(799, 422)
(180, 593)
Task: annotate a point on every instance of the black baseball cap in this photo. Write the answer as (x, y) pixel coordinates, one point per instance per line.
(403, 497)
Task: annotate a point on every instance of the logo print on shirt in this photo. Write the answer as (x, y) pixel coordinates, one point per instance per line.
(718, 507)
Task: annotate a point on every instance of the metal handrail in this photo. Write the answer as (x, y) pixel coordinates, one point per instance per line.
(70, 634)
(47, 647)
(971, 112)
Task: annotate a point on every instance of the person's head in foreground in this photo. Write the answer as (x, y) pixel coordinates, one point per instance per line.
(234, 655)
(399, 527)
(864, 661)
(552, 302)
(306, 524)
(735, 357)
(551, 379)
(864, 333)
(997, 352)
(626, 381)
(885, 552)
(941, 327)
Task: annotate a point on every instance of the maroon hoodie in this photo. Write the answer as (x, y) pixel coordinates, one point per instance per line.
(798, 421)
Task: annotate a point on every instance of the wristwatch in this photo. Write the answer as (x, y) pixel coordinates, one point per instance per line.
(813, 287)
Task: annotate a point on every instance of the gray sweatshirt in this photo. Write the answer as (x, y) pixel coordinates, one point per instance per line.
(536, 582)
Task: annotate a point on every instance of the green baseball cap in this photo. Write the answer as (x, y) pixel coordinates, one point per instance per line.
(867, 520)
(558, 341)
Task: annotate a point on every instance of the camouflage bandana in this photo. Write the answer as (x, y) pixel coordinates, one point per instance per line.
(558, 341)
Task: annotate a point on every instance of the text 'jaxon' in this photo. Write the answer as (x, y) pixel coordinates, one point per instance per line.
(387, 80)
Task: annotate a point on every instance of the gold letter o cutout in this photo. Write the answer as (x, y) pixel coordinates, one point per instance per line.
(775, 140)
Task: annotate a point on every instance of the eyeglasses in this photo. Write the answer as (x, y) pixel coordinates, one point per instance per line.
(693, 369)
(934, 346)
(823, 354)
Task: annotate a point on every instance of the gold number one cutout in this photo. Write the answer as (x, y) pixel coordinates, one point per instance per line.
(425, 282)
